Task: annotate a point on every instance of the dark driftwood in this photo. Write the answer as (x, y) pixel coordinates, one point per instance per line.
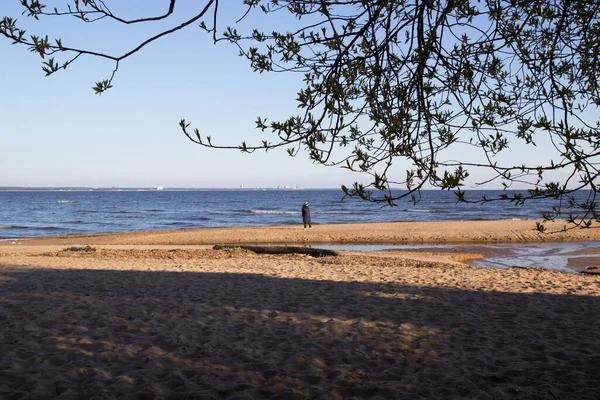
(591, 271)
(281, 250)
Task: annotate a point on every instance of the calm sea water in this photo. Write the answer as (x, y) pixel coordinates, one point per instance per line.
(59, 212)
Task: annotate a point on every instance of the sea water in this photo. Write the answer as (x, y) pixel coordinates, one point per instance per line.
(32, 213)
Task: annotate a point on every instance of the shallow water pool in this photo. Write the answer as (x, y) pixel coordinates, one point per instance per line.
(556, 256)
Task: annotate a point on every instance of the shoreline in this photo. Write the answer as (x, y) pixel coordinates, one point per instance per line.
(426, 232)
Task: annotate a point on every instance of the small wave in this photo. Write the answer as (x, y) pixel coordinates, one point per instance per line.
(299, 212)
(41, 228)
(51, 228)
(65, 201)
(340, 212)
(107, 212)
(270, 212)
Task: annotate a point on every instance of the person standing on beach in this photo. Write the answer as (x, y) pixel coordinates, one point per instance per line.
(306, 215)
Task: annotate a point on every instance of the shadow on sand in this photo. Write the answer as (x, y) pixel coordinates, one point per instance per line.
(123, 334)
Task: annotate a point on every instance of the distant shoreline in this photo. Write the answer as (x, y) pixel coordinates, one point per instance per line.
(147, 189)
(199, 189)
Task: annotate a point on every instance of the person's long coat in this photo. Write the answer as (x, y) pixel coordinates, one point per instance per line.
(305, 214)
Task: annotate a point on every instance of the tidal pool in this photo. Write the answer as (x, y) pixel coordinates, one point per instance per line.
(556, 256)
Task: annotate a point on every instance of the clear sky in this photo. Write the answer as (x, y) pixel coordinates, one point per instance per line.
(54, 131)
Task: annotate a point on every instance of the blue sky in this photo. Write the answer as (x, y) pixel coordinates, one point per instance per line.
(54, 131)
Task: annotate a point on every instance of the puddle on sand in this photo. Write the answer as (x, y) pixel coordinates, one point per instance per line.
(556, 256)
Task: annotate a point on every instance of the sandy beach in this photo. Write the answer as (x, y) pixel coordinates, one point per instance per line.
(160, 315)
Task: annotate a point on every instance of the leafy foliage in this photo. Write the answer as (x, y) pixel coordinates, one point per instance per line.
(393, 88)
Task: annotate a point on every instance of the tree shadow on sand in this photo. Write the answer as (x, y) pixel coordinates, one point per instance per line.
(108, 334)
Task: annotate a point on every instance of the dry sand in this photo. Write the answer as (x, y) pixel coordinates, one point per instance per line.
(150, 316)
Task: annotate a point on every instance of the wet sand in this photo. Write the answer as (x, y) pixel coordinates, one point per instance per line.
(161, 315)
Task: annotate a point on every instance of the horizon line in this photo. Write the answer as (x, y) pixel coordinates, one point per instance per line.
(166, 188)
